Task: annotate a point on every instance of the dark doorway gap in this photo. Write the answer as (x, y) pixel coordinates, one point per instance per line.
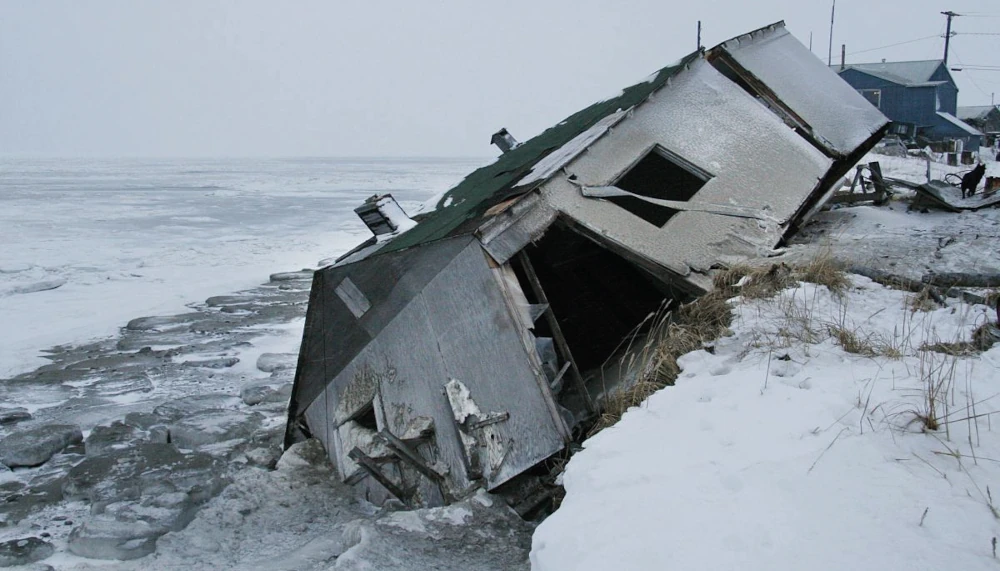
(598, 298)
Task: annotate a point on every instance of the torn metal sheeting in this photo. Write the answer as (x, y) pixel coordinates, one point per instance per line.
(466, 350)
(940, 194)
(690, 206)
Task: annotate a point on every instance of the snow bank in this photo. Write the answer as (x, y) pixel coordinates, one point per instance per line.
(779, 450)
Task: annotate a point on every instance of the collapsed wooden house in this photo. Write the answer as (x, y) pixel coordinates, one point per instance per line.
(467, 349)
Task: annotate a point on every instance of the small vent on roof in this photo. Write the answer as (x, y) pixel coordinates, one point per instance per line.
(504, 140)
(383, 215)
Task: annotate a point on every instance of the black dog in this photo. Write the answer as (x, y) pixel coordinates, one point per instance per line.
(970, 180)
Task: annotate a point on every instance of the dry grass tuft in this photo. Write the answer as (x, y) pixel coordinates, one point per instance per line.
(686, 329)
(824, 270)
(954, 348)
(695, 324)
(852, 343)
(937, 377)
(983, 338)
(922, 301)
(753, 282)
(759, 282)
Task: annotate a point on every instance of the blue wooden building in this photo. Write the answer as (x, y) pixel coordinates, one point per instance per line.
(920, 97)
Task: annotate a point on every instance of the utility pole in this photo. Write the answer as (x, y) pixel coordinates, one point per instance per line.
(829, 53)
(947, 33)
(699, 35)
(810, 42)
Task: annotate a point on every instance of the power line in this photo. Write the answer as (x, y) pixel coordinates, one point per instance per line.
(976, 34)
(894, 45)
(981, 90)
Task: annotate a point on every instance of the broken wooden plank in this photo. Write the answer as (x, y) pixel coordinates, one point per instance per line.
(557, 334)
(492, 418)
(962, 279)
(535, 500)
(506, 454)
(368, 465)
(879, 195)
(356, 477)
(916, 286)
(402, 451)
(410, 456)
(881, 190)
(559, 376)
(513, 295)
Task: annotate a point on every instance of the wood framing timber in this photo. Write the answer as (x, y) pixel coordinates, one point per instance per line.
(406, 454)
(369, 465)
(557, 334)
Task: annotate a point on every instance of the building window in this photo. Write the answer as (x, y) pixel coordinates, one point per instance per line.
(365, 418)
(660, 174)
(874, 96)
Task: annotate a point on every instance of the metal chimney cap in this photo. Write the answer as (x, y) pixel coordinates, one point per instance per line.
(504, 140)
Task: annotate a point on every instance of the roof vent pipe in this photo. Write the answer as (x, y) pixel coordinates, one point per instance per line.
(504, 140)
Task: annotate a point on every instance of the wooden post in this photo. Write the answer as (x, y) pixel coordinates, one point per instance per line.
(557, 333)
(369, 465)
(402, 451)
(881, 191)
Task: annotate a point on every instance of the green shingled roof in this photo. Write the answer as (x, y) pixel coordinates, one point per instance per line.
(494, 183)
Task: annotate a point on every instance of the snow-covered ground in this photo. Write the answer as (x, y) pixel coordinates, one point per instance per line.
(117, 239)
(910, 243)
(777, 449)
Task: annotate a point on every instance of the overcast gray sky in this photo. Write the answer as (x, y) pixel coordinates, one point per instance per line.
(390, 77)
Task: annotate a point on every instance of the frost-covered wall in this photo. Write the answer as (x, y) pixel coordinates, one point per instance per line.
(841, 117)
(756, 161)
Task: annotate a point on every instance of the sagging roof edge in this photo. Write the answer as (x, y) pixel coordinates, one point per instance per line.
(752, 35)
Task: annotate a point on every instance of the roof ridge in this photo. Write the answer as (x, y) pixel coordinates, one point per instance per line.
(892, 62)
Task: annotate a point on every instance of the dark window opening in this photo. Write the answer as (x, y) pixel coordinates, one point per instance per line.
(366, 418)
(662, 175)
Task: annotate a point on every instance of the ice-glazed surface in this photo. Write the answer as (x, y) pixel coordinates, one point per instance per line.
(829, 104)
(88, 245)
